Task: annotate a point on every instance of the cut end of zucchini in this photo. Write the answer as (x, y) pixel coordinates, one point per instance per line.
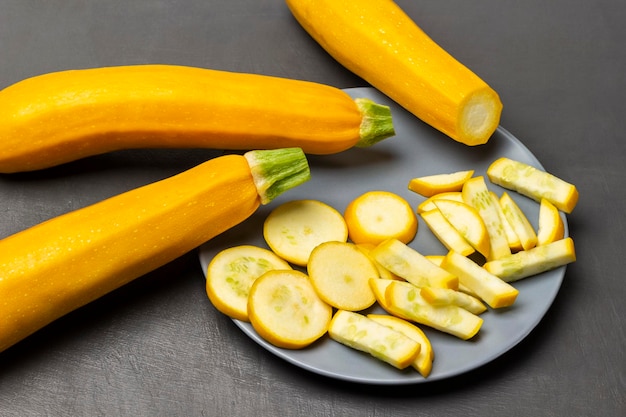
(275, 171)
(479, 117)
(377, 123)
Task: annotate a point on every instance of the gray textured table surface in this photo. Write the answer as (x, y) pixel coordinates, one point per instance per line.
(158, 348)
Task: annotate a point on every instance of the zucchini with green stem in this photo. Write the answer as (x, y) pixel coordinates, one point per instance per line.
(59, 117)
(64, 263)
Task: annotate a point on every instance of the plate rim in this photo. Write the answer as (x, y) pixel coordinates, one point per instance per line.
(288, 355)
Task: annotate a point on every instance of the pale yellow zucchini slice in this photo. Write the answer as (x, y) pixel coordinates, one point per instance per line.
(514, 241)
(476, 194)
(490, 288)
(285, 310)
(230, 275)
(466, 220)
(406, 299)
(446, 296)
(376, 216)
(412, 266)
(340, 273)
(429, 203)
(430, 185)
(358, 332)
(519, 222)
(533, 261)
(423, 362)
(533, 183)
(294, 228)
(447, 234)
(438, 260)
(379, 286)
(383, 272)
(551, 226)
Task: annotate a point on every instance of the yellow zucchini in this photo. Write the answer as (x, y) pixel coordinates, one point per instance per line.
(55, 118)
(66, 262)
(379, 42)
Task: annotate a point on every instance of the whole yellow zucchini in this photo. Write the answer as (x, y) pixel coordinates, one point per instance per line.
(376, 40)
(64, 263)
(59, 117)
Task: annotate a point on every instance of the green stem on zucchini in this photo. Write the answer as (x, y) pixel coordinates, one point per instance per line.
(277, 170)
(377, 122)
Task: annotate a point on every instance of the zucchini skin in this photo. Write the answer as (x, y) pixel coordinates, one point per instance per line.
(54, 118)
(380, 43)
(59, 265)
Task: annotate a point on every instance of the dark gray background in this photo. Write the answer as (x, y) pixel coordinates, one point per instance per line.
(157, 346)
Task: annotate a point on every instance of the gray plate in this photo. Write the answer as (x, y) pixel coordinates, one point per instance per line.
(416, 150)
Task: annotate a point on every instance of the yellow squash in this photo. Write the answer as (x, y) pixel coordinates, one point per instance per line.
(59, 117)
(66, 262)
(379, 42)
